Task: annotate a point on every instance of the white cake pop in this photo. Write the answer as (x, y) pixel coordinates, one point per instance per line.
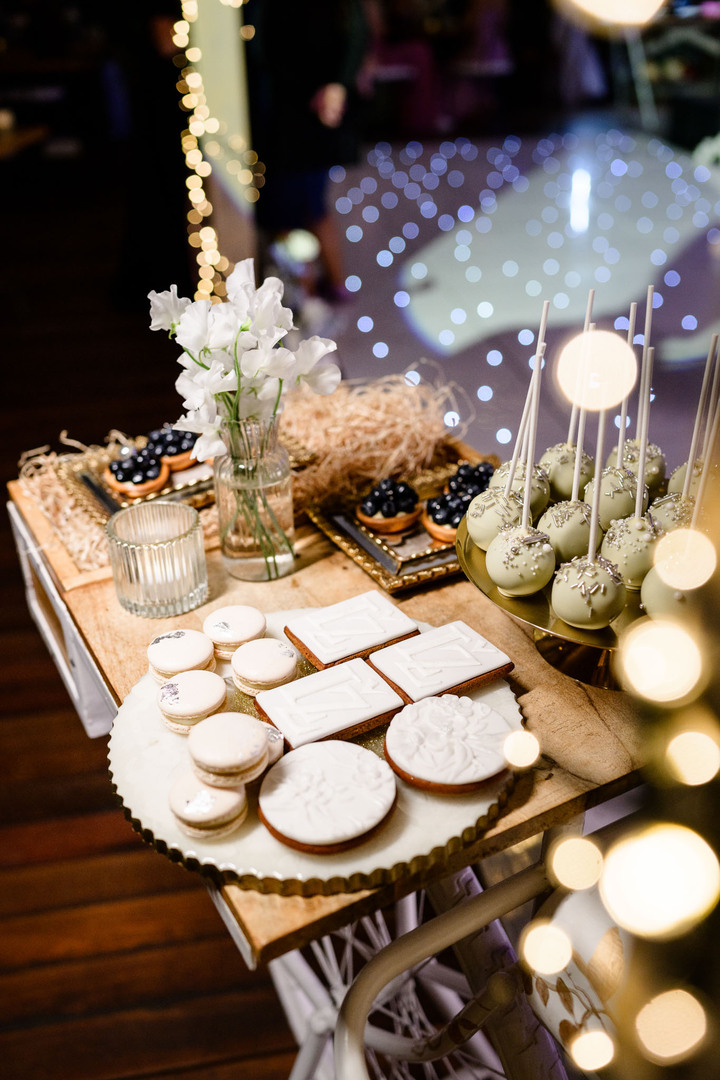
(520, 560)
(618, 494)
(567, 526)
(559, 463)
(630, 545)
(673, 511)
(489, 512)
(539, 492)
(676, 483)
(654, 463)
(588, 592)
(658, 598)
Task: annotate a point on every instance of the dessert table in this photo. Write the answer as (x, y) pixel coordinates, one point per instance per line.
(591, 738)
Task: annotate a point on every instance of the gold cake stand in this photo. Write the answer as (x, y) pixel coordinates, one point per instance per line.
(585, 655)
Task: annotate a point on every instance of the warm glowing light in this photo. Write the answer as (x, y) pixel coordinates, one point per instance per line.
(592, 1050)
(671, 1026)
(660, 660)
(693, 757)
(576, 863)
(596, 370)
(660, 881)
(685, 559)
(521, 749)
(545, 948)
(580, 201)
(615, 12)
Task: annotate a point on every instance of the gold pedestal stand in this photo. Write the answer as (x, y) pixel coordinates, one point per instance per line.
(585, 655)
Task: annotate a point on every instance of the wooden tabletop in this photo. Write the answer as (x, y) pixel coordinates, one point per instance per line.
(591, 738)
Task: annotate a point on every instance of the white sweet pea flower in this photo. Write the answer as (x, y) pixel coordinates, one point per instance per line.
(310, 366)
(166, 309)
(198, 385)
(266, 360)
(205, 422)
(241, 284)
(194, 327)
(323, 379)
(269, 319)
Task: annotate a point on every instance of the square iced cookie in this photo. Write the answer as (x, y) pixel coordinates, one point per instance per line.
(451, 658)
(351, 628)
(340, 701)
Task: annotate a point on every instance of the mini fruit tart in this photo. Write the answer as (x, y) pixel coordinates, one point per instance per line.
(391, 506)
(174, 448)
(140, 473)
(471, 478)
(443, 514)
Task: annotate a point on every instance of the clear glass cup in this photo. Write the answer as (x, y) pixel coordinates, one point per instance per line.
(157, 557)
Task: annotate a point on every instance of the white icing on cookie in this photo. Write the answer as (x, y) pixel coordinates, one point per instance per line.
(328, 702)
(448, 740)
(438, 660)
(327, 793)
(351, 626)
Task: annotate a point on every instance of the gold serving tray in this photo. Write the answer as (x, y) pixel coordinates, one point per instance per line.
(404, 560)
(584, 654)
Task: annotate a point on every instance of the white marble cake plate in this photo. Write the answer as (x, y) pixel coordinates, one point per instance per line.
(145, 757)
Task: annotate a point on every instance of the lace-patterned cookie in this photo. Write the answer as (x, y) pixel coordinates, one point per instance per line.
(449, 745)
(348, 629)
(324, 798)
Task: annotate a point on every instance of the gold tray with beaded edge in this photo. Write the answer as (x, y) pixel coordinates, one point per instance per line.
(585, 655)
(413, 558)
(81, 475)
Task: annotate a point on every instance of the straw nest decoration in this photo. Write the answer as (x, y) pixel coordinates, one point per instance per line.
(361, 433)
(364, 432)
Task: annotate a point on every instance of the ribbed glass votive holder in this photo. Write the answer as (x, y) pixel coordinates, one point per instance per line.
(158, 558)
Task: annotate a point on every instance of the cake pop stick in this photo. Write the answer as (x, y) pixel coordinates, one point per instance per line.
(643, 391)
(528, 406)
(644, 436)
(595, 506)
(532, 429)
(711, 443)
(698, 417)
(574, 410)
(632, 317)
(577, 471)
(714, 394)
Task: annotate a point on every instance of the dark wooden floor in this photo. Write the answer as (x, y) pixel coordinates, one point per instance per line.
(113, 961)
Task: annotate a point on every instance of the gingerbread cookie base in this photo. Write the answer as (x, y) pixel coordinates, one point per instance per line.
(325, 849)
(362, 654)
(441, 789)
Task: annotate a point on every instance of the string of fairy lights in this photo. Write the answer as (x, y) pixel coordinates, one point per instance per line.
(209, 146)
(660, 880)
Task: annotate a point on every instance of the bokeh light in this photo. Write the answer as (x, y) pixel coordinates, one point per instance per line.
(521, 749)
(693, 757)
(660, 660)
(671, 1026)
(596, 370)
(592, 1050)
(575, 863)
(685, 559)
(545, 948)
(659, 881)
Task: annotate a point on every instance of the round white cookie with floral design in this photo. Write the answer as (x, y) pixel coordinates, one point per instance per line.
(448, 744)
(325, 797)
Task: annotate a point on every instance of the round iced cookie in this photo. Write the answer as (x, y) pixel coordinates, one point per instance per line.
(262, 664)
(228, 749)
(559, 463)
(618, 488)
(179, 650)
(567, 527)
(676, 483)
(489, 512)
(189, 697)
(654, 463)
(203, 812)
(539, 491)
(658, 598)
(231, 626)
(673, 512)
(449, 745)
(520, 560)
(326, 797)
(588, 592)
(630, 545)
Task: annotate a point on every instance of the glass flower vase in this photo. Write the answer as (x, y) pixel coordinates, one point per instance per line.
(253, 493)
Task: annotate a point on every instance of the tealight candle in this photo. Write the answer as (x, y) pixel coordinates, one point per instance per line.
(157, 558)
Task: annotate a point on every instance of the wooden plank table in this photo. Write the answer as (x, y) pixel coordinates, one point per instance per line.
(591, 738)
